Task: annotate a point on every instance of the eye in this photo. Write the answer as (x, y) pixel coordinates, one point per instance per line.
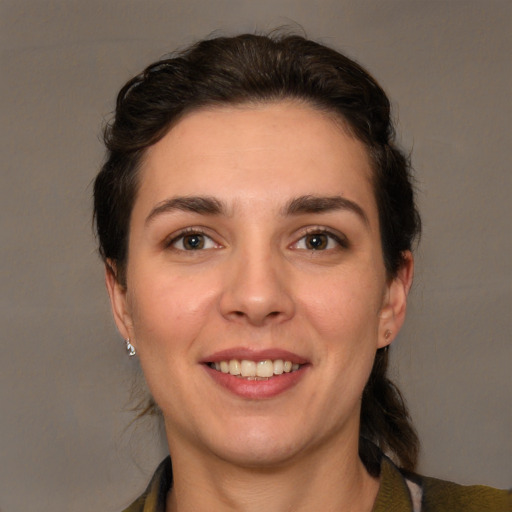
(192, 241)
(320, 240)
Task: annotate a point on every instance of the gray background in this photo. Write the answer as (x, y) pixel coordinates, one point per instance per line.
(65, 441)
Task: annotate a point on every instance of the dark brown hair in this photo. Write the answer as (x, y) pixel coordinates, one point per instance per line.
(255, 69)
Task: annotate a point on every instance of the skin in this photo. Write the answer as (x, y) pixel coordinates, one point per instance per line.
(258, 284)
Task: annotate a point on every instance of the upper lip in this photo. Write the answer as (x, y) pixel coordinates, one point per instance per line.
(240, 353)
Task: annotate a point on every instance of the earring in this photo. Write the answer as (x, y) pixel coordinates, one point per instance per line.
(387, 334)
(130, 349)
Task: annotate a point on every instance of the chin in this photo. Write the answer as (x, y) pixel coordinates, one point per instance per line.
(258, 455)
(259, 447)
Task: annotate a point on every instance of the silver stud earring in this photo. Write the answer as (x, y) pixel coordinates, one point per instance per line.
(130, 349)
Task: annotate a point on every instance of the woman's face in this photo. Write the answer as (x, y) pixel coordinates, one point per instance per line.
(254, 243)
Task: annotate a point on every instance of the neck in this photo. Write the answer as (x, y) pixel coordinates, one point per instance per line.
(330, 478)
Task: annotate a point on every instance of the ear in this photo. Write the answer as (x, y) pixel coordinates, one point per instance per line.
(392, 314)
(118, 301)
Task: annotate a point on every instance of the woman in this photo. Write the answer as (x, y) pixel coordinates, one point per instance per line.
(256, 221)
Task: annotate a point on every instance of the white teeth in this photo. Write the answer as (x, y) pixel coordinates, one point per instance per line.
(261, 369)
(248, 368)
(234, 367)
(265, 369)
(278, 367)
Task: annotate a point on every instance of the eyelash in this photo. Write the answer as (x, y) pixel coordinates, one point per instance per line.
(340, 240)
(170, 243)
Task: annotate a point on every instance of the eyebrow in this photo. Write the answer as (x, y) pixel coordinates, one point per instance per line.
(322, 204)
(203, 205)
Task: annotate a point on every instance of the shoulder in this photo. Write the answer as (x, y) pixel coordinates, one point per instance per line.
(137, 505)
(154, 497)
(443, 496)
(401, 491)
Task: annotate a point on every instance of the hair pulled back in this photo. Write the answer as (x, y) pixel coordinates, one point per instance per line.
(251, 69)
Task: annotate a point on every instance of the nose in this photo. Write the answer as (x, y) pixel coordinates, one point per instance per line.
(257, 289)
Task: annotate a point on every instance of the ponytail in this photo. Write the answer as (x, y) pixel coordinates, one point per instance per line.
(386, 426)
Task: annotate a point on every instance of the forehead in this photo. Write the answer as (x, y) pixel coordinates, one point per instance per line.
(267, 153)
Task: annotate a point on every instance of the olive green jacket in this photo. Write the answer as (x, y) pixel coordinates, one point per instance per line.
(397, 493)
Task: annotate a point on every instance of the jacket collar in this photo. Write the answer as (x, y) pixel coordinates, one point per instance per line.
(393, 492)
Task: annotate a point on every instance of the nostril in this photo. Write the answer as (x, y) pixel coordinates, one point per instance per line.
(242, 315)
(239, 304)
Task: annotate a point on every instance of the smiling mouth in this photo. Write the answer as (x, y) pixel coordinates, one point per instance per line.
(255, 370)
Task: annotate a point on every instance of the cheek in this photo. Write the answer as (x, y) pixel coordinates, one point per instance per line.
(345, 317)
(169, 315)
(344, 305)
(170, 309)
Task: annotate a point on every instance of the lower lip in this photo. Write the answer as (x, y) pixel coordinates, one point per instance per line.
(257, 389)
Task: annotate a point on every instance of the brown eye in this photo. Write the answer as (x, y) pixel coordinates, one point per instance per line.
(193, 242)
(321, 241)
(317, 241)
